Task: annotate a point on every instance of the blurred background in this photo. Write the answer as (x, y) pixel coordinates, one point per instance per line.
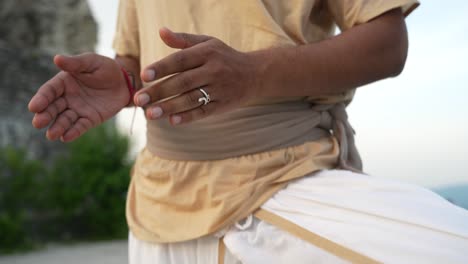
(412, 128)
(54, 195)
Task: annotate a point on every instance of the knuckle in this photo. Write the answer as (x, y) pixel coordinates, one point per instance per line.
(209, 50)
(53, 110)
(212, 48)
(201, 111)
(186, 117)
(87, 124)
(185, 81)
(160, 67)
(62, 104)
(69, 117)
(153, 92)
(43, 95)
(66, 121)
(180, 59)
(218, 43)
(167, 108)
(80, 128)
(62, 124)
(49, 115)
(192, 99)
(59, 103)
(51, 90)
(217, 68)
(75, 132)
(215, 42)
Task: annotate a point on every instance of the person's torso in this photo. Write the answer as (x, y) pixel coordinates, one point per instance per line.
(245, 25)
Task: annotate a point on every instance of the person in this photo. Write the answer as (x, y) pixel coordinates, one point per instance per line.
(250, 157)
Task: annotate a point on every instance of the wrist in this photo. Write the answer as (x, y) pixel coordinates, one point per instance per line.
(132, 68)
(260, 64)
(130, 84)
(268, 68)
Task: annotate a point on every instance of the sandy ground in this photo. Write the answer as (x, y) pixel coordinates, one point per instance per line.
(114, 252)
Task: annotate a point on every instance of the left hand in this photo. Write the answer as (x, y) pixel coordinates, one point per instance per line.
(227, 75)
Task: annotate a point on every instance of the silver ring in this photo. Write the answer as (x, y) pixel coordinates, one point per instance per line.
(205, 99)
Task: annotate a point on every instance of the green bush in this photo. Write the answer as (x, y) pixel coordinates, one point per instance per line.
(18, 187)
(81, 196)
(88, 187)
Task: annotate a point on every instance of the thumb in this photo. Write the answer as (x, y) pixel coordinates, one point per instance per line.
(83, 63)
(181, 40)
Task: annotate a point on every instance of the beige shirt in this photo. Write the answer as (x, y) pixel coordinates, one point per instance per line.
(178, 199)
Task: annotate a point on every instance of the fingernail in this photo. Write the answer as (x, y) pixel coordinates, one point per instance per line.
(176, 119)
(150, 75)
(156, 112)
(143, 99)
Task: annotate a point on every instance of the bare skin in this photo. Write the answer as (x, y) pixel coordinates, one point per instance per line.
(90, 88)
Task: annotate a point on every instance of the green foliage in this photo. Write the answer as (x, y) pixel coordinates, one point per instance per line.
(81, 196)
(18, 179)
(88, 187)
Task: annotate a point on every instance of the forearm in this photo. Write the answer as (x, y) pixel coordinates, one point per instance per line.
(361, 55)
(131, 65)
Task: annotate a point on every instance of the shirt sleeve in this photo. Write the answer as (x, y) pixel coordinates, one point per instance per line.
(348, 13)
(126, 39)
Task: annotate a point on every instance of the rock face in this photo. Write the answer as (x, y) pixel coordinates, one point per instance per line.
(31, 32)
(48, 26)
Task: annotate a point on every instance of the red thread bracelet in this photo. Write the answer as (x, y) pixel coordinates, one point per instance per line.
(130, 85)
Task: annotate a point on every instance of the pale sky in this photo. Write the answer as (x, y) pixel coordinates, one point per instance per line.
(412, 128)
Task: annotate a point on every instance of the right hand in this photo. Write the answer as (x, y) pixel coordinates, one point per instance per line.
(89, 90)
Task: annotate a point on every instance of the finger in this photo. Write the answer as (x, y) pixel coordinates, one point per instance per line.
(47, 94)
(181, 40)
(179, 104)
(78, 129)
(194, 114)
(179, 61)
(83, 63)
(44, 118)
(63, 122)
(174, 85)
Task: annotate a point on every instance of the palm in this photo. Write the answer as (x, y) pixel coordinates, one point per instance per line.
(83, 96)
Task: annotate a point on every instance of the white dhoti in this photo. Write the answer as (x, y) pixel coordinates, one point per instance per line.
(331, 217)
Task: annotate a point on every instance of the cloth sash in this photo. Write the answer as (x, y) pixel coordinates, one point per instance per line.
(255, 129)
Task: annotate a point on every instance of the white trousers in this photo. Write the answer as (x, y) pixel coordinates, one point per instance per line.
(387, 221)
